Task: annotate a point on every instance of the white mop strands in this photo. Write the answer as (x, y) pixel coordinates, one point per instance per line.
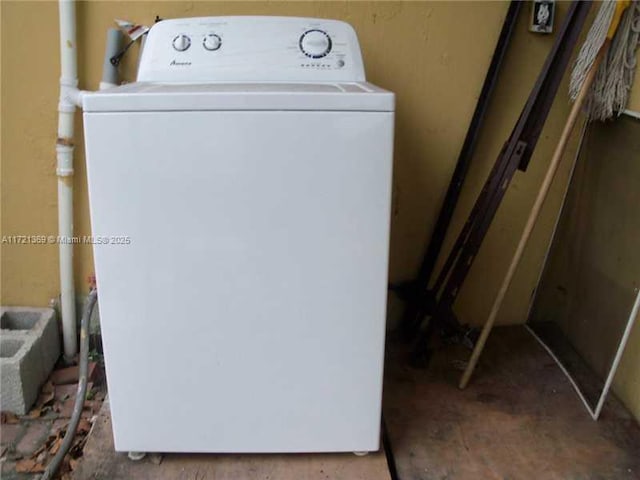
(610, 90)
(591, 46)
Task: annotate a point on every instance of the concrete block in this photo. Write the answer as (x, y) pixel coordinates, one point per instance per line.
(29, 348)
(21, 369)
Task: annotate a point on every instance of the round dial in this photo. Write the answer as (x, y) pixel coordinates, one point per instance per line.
(181, 43)
(212, 42)
(315, 43)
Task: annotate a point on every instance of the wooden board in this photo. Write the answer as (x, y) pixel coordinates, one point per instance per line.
(100, 461)
(592, 273)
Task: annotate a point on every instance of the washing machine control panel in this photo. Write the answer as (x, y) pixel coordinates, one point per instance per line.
(218, 49)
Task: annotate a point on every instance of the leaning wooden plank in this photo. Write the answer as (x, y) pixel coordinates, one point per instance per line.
(599, 41)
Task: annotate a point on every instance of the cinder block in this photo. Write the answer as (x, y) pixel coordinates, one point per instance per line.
(29, 348)
(21, 368)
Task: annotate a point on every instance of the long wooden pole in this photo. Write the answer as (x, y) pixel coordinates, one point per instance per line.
(533, 216)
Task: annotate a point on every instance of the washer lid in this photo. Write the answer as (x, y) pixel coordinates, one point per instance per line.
(146, 96)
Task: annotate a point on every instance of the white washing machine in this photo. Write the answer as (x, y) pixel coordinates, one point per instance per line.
(240, 202)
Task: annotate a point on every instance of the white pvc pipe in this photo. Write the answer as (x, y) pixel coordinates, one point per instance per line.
(64, 148)
(109, 71)
(616, 360)
(70, 98)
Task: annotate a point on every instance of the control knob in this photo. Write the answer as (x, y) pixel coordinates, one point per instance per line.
(315, 43)
(212, 42)
(181, 43)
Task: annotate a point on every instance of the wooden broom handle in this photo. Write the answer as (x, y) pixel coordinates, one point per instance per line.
(533, 216)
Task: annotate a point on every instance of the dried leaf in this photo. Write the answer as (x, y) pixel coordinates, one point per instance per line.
(40, 449)
(76, 446)
(84, 426)
(42, 404)
(25, 466)
(53, 436)
(46, 398)
(9, 418)
(35, 413)
(42, 457)
(48, 387)
(29, 466)
(61, 428)
(55, 446)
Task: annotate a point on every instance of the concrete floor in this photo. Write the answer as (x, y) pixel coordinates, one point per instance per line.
(101, 462)
(519, 418)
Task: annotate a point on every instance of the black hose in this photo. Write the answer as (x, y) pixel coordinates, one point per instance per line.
(53, 466)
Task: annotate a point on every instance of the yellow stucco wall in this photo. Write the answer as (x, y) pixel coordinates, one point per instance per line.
(434, 55)
(627, 380)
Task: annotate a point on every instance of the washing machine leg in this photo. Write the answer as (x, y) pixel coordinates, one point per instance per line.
(360, 454)
(136, 456)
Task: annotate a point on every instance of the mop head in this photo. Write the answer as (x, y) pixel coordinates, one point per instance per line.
(610, 90)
